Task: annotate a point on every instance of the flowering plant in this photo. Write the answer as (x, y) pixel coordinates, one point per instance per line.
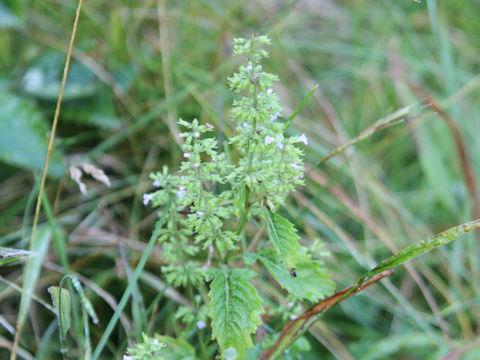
(210, 201)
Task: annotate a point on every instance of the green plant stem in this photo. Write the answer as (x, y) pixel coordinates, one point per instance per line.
(192, 301)
(243, 218)
(246, 189)
(21, 319)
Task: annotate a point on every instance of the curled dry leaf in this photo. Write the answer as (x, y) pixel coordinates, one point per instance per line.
(97, 173)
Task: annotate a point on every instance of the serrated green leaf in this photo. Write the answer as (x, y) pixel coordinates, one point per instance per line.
(311, 283)
(62, 307)
(211, 273)
(235, 309)
(284, 238)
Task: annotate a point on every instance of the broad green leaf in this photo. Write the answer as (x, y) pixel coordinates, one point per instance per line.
(42, 80)
(98, 110)
(284, 238)
(235, 309)
(176, 349)
(62, 307)
(23, 135)
(85, 99)
(311, 283)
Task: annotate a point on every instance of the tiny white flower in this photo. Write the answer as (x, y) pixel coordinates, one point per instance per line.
(127, 357)
(196, 165)
(303, 138)
(296, 165)
(209, 126)
(204, 268)
(293, 317)
(280, 145)
(181, 192)
(268, 140)
(156, 183)
(270, 91)
(201, 325)
(300, 177)
(245, 124)
(249, 67)
(156, 342)
(186, 155)
(200, 213)
(287, 351)
(290, 304)
(182, 177)
(197, 135)
(147, 198)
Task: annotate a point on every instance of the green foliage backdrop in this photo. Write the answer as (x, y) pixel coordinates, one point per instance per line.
(139, 66)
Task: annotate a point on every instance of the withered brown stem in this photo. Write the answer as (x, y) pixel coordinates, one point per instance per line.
(298, 326)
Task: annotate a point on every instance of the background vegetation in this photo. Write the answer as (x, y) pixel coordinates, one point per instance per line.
(138, 66)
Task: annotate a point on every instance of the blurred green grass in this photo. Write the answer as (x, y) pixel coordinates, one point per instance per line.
(137, 66)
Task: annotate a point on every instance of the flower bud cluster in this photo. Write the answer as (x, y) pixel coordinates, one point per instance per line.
(211, 192)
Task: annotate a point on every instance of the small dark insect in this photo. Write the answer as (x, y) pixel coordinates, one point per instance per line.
(292, 272)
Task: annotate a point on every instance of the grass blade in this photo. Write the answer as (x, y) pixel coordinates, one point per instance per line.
(132, 283)
(296, 328)
(23, 302)
(421, 248)
(300, 107)
(33, 267)
(392, 119)
(9, 255)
